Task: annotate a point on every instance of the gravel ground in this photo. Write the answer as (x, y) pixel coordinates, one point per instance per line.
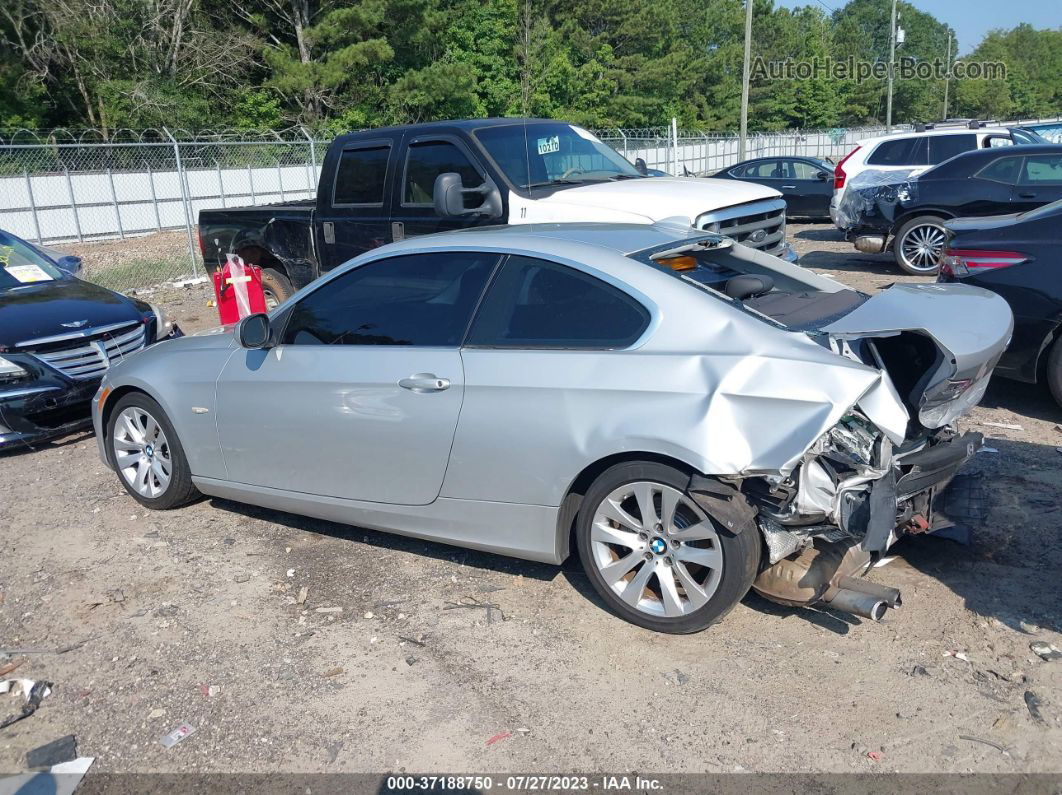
(303, 646)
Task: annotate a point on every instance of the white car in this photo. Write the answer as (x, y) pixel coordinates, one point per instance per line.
(915, 152)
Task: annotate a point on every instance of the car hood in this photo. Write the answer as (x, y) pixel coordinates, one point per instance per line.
(40, 309)
(640, 200)
(969, 326)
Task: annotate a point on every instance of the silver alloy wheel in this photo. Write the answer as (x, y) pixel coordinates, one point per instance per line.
(141, 452)
(656, 549)
(922, 246)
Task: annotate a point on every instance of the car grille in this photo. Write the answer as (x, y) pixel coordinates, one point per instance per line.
(88, 353)
(759, 225)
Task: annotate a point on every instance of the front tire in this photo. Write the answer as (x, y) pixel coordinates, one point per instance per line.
(147, 455)
(919, 245)
(655, 557)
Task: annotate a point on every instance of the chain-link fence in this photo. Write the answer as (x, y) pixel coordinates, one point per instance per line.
(138, 195)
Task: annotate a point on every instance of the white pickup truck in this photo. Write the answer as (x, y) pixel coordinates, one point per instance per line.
(382, 185)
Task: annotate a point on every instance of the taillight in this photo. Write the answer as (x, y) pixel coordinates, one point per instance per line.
(202, 243)
(838, 173)
(961, 262)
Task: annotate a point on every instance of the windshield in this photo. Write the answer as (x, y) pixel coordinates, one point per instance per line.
(552, 153)
(1023, 136)
(22, 264)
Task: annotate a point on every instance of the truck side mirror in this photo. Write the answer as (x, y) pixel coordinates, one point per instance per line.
(69, 264)
(449, 195)
(641, 168)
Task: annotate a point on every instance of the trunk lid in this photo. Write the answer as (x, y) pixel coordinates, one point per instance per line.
(938, 342)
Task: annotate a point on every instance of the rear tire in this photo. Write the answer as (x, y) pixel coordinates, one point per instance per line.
(918, 245)
(277, 288)
(147, 455)
(1054, 371)
(678, 572)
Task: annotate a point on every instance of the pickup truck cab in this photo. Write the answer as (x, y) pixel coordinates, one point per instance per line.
(383, 185)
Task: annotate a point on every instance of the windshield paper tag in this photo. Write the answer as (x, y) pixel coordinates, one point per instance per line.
(547, 145)
(27, 274)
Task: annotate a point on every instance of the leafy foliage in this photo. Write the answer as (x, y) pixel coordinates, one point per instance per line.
(345, 64)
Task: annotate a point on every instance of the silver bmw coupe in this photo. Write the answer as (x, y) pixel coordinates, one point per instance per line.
(692, 417)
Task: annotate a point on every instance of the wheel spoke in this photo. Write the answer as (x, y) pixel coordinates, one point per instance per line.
(708, 557)
(125, 460)
(632, 594)
(701, 531)
(669, 591)
(610, 535)
(151, 429)
(643, 492)
(143, 470)
(694, 593)
(132, 432)
(617, 570)
(669, 501)
(609, 509)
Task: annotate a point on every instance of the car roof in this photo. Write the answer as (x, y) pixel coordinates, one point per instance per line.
(930, 133)
(452, 124)
(805, 158)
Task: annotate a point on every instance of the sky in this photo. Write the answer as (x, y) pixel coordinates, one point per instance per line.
(971, 19)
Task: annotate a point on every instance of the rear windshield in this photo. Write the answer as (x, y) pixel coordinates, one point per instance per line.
(782, 298)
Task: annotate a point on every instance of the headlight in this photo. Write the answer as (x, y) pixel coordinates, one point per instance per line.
(9, 371)
(163, 324)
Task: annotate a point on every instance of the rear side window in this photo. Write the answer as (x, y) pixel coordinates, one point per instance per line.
(1004, 170)
(419, 299)
(538, 304)
(899, 152)
(1042, 170)
(428, 160)
(361, 175)
(942, 147)
(768, 169)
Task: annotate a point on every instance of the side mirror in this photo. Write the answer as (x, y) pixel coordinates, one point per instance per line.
(254, 332)
(449, 197)
(641, 168)
(70, 264)
(823, 176)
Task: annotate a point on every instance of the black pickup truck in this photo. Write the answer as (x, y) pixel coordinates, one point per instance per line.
(378, 186)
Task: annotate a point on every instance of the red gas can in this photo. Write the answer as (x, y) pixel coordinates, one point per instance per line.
(238, 290)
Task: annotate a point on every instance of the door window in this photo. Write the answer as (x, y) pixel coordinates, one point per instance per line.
(1004, 170)
(767, 169)
(419, 299)
(1042, 170)
(899, 152)
(361, 176)
(798, 169)
(538, 304)
(427, 160)
(942, 147)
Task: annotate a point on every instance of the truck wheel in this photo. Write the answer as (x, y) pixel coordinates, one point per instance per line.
(1054, 371)
(655, 557)
(276, 287)
(919, 244)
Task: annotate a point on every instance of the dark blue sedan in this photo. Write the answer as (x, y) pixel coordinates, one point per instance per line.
(806, 183)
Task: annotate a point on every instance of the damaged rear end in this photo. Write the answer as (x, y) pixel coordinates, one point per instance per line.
(880, 472)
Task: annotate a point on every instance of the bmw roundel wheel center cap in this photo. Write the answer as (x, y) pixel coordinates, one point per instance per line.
(658, 546)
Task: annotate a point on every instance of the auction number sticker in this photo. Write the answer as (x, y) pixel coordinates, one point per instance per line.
(28, 274)
(549, 144)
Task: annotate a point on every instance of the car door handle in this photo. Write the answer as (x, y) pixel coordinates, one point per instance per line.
(788, 186)
(1027, 195)
(425, 382)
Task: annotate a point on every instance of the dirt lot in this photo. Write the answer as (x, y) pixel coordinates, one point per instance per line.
(146, 620)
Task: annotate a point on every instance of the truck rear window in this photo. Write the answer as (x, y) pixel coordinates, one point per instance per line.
(361, 175)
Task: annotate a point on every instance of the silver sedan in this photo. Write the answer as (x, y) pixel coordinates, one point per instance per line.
(691, 416)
